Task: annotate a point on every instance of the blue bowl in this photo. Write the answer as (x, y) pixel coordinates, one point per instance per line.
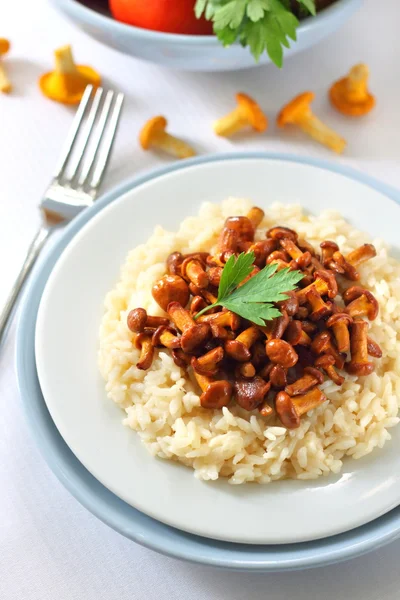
(124, 518)
(191, 52)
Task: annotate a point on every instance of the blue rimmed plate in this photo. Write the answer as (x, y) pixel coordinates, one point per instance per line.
(126, 519)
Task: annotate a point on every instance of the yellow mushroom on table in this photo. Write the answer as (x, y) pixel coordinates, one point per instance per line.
(247, 114)
(154, 135)
(298, 112)
(350, 95)
(5, 83)
(68, 81)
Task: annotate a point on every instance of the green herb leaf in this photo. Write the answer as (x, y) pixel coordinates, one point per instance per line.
(309, 5)
(254, 299)
(230, 15)
(256, 9)
(268, 285)
(262, 25)
(235, 270)
(200, 8)
(256, 313)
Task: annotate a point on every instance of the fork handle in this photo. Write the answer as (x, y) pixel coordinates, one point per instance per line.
(31, 256)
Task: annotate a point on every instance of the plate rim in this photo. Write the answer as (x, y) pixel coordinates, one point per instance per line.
(53, 255)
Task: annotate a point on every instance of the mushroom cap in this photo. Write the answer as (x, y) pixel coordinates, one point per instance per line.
(295, 109)
(155, 340)
(338, 95)
(217, 394)
(154, 126)
(315, 373)
(340, 317)
(170, 288)
(293, 332)
(237, 350)
(359, 368)
(279, 232)
(330, 280)
(281, 353)
(322, 342)
(253, 112)
(4, 46)
(355, 292)
(324, 361)
(250, 393)
(136, 319)
(194, 336)
(68, 88)
(286, 411)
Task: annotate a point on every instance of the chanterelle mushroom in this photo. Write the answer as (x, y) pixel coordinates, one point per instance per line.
(5, 83)
(298, 112)
(153, 134)
(350, 94)
(67, 83)
(246, 114)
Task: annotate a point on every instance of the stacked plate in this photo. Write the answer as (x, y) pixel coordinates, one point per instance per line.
(284, 525)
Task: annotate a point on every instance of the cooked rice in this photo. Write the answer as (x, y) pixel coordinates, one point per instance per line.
(163, 405)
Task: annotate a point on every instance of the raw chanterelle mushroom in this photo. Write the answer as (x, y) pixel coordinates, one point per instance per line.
(68, 81)
(5, 83)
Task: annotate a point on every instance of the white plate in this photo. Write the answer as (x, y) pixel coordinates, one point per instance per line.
(66, 353)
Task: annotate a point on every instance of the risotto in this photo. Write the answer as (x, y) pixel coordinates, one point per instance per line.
(163, 404)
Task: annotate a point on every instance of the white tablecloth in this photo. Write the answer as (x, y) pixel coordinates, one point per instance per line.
(51, 547)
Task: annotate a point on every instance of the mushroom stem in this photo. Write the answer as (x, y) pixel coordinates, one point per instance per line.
(308, 401)
(231, 123)
(319, 308)
(173, 145)
(255, 215)
(5, 83)
(143, 343)
(246, 369)
(303, 259)
(315, 128)
(359, 363)
(192, 269)
(311, 378)
(326, 363)
(361, 254)
(356, 83)
(225, 318)
(64, 61)
(339, 323)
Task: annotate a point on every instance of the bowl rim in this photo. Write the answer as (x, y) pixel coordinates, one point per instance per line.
(113, 511)
(307, 25)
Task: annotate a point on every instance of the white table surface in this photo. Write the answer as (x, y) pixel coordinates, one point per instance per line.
(51, 547)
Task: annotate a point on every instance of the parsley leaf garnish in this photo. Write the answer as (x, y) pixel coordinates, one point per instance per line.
(263, 25)
(254, 299)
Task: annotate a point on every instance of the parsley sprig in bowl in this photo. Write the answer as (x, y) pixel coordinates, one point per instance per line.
(262, 25)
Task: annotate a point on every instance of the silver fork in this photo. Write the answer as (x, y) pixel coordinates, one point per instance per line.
(77, 177)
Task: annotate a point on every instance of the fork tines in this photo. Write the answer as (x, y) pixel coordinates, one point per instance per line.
(88, 145)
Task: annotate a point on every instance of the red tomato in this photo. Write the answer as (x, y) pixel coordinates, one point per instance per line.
(171, 16)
